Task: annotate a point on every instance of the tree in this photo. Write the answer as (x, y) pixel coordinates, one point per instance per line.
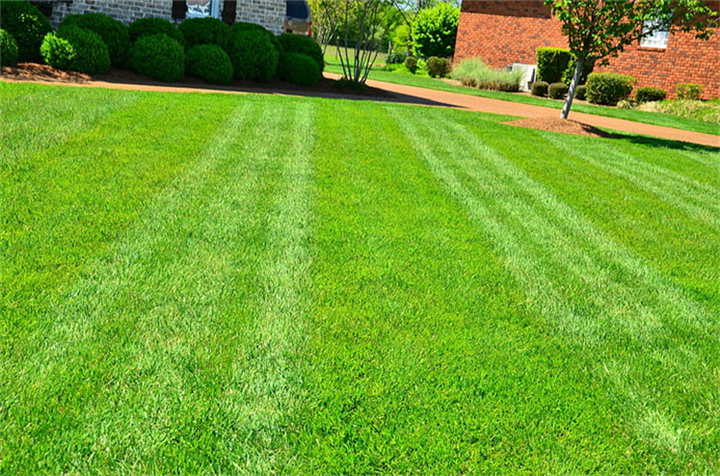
(435, 29)
(599, 29)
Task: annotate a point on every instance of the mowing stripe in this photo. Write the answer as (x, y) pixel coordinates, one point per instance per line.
(185, 322)
(581, 280)
(697, 199)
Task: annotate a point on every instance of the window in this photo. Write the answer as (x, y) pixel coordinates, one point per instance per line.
(659, 37)
(203, 8)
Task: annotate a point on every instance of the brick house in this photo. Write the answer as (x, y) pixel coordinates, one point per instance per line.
(504, 32)
(268, 13)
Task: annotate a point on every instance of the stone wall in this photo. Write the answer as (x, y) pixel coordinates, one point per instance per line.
(268, 13)
(503, 32)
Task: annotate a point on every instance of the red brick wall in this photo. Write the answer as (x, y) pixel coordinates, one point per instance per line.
(503, 32)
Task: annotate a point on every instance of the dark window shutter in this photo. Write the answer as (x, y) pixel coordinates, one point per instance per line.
(179, 9)
(228, 12)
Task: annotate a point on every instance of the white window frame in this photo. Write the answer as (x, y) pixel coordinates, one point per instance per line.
(659, 38)
(214, 11)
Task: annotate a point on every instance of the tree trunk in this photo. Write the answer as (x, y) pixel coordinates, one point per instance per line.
(573, 87)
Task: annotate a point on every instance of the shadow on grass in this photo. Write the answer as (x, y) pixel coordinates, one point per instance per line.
(665, 143)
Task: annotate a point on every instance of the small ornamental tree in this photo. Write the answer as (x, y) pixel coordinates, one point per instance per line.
(599, 29)
(435, 29)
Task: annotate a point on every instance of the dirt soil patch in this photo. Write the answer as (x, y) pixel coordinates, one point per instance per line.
(565, 126)
(326, 87)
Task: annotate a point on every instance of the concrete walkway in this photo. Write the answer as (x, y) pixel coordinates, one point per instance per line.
(432, 97)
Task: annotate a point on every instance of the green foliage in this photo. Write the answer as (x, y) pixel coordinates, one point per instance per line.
(154, 26)
(303, 45)
(209, 62)
(581, 92)
(395, 58)
(159, 57)
(298, 69)
(552, 63)
(475, 73)
(204, 31)
(252, 54)
(649, 94)
(588, 68)
(557, 90)
(539, 88)
(8, 49)
(703, 111)
(608, 88)
(27, 25)
(435, 29)
(411, 63)
(113, 33)
(76, 49)
(688, 91)
(438, 67)
(401, 39)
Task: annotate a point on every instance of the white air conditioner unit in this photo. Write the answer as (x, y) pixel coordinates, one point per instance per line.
(529, 71)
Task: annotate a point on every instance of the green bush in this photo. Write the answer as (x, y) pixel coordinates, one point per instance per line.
(557, 90)
(474, 72)
(247, 26)
(76, 49)
(113, 33)
(298, 69)
(27, 26)
(688, 91)
(552, 64)
(539, 88)
(608, 88)
(581, 92)
(649, 94)
(395, 58)
(159, 57)
(210, 63)
(434, 30)
(8, 49)
(303, 45)
(204, 31)
(252, 54)
(438, 67)
(411, 63)
(154, 26)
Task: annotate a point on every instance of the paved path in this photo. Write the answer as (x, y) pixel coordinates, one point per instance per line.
(432, 97)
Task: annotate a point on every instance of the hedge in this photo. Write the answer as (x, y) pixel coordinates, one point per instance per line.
(154, 26)
(76, 49)
(210, 63)
(114, 33)
(8, 49)
(608, 88)
(252, 54)
(204, 31)
(298, 69)
(552, 64)
(649, 94)
(27, 25)
(303, 45)
(159, 57)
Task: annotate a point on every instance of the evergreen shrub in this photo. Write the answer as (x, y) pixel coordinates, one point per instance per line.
(159, 57)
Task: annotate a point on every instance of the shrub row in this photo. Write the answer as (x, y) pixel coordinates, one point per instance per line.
(76, 49)
(555, 65)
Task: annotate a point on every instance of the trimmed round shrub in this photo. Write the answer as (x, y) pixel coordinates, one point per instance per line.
(245, 26)
(557, 90)
(210, 63)
(303, 45)
(154, 26)
(113, 33)
(581, 92)
(204, 31)
(438, 67)
(159, 57)
(252, 54)
(499, 85)
(411, 63)
(298, 69)
(27, 25)
(8, 49)
(649, 95)
(76, 49)
(539, 88)
(688, 91)
(608, 88)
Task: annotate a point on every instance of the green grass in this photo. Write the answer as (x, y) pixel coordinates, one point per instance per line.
(313, 286)
(654, 118)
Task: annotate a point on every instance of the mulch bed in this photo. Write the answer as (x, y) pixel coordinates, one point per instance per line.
(565, 126)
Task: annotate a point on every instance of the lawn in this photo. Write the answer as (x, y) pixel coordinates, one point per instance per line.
(213, 284)
(654, 118)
